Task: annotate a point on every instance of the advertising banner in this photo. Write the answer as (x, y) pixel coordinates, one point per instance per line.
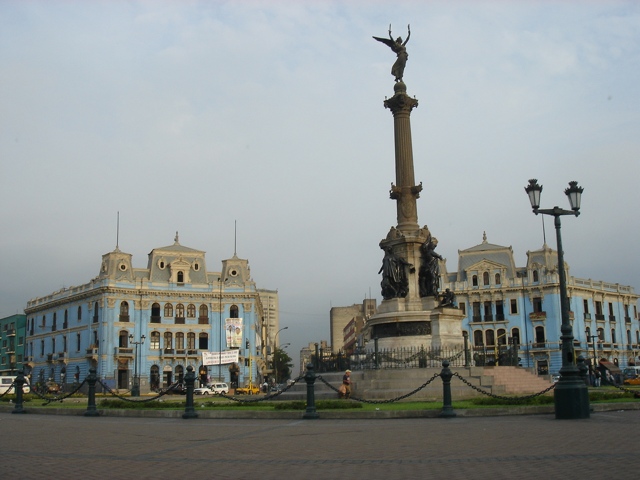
(220, 358)
(234, 333)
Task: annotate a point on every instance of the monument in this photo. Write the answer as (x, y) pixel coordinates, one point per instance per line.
(413, 313)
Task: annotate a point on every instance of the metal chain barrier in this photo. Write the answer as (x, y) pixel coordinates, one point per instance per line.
(56, 398)
(377, 402)
(500, 397)
(636, 393)
(262, 399)
(162, 392)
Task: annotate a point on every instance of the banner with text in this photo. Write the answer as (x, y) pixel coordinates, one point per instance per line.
(220, 358)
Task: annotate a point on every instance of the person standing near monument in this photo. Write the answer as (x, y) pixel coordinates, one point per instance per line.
(345, 388)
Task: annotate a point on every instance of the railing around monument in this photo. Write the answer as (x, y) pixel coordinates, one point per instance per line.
(409, 357)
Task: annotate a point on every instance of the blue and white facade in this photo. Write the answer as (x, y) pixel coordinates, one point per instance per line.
(504, 304)
(181, 309)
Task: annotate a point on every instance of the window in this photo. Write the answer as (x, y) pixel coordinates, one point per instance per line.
(499, 310)
(124, 311)
(168, 340)
(502, 336)
(463, 307)
(540, 337)
(154, 343)
(629, 336)
(588, 332)
(54, 322)
(536, 277)
(95, 338)
(537, 304)
(179, 341)
(498, 279)
(203, 318)
(191, 310)
(515, 334)
(41, 348)
(485, 278)
(490, 336)
(168, 310)
(179, 318)
(65, 323)
(191, 341)
(233, 311)
(155, 313)
(79, 312)
(474, 280)
(477, 338)
(601, 334)
(488, 316)
(77, 342)
(123, 339)
(513, 306)
(95, 312)
(613, 335)
(477, 317)
(53, 345)
(180, 276)
(64, 343)
(585, 305)
(203, 341)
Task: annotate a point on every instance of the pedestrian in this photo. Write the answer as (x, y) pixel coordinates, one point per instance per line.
(345, 388)
(598, 378)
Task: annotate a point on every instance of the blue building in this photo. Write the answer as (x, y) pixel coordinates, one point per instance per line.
(506, 305)
(145, 326)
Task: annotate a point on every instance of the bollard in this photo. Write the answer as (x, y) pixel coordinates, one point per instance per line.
(310, 378)
(18, 385)
(446, 374)
(92, 378)
(189, 379)
(583, 369)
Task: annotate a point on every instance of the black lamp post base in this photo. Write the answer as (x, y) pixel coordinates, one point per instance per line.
(135, 391)
(571, 400)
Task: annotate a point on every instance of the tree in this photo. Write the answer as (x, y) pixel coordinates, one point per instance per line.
(282, 364)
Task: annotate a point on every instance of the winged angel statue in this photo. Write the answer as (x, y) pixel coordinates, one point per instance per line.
(399, 47)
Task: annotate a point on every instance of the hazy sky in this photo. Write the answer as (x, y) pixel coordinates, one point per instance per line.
(192, 115)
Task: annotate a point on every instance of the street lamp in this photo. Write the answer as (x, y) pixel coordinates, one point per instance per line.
(571, 395)
(593, 344)
(135, 390)
(523, 275)
(275, 346)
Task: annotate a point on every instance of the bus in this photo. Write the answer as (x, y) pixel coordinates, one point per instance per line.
(6, 385)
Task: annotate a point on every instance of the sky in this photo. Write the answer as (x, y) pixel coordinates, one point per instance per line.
(259, 127)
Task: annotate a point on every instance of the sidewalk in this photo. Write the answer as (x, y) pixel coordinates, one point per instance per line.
(514, 447)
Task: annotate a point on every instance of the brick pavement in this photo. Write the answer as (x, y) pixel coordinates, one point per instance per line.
(515, 447)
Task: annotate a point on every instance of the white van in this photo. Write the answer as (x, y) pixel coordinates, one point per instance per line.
(5, 385)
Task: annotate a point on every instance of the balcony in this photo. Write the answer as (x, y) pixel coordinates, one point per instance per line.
(488, 318)
(612, 318)
(168, 351)
(155, 318)
(599, 317)
(11, 332)
(539, 345)
(61, 356)
(587, 316)
(179, 320)
(123, 318)
(192, 352)
(499, 317)
(627, 319)
(203, 320)
(92, 352)
(50, 357)
(124, 351)
(476, 318)
(538, 316)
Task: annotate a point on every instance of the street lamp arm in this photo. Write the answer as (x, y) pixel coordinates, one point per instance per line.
(555, 211)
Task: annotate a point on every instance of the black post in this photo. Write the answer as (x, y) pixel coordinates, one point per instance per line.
(447, 408)
(465, 337)
(189, 379)
(583, 369)
(19, 384)
(92, 378)
(310, 378)
(375, 350)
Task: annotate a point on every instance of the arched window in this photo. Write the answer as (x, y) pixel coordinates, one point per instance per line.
(180, 276)
(203, 341)
(191, 310)
(179, 313)
(536, 277)
(168, 341)
(474, 280)
(477, 338)
(191, 341)
(515, 334)
(168, 310)
(203, 318)
(485, 278)
(502, 336)
(123, 339)
(155, 313)
(154, 343)
(490, 336)
(498, 279)
(179, 341)
(233, 311)
(124, 311)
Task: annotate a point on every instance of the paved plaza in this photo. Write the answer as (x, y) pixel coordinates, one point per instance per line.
(530, 446)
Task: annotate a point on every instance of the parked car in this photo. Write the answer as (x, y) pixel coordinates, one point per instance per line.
(212, 389)
(249, 389)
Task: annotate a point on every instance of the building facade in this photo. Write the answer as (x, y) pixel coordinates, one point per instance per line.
(339, 318)
(12, 341)
(506, 305)
(151, 323)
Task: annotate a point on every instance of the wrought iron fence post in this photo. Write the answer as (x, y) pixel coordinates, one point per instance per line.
(310, 378)
(189, 379)
(375, 351)
(465, 337)
(446, 374)
(92, 378)
(18, 385)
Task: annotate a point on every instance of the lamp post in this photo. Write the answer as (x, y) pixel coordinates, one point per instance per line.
(523, 275)
(595, 361)
(275, 347)
(135, 390)
(571, 396)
